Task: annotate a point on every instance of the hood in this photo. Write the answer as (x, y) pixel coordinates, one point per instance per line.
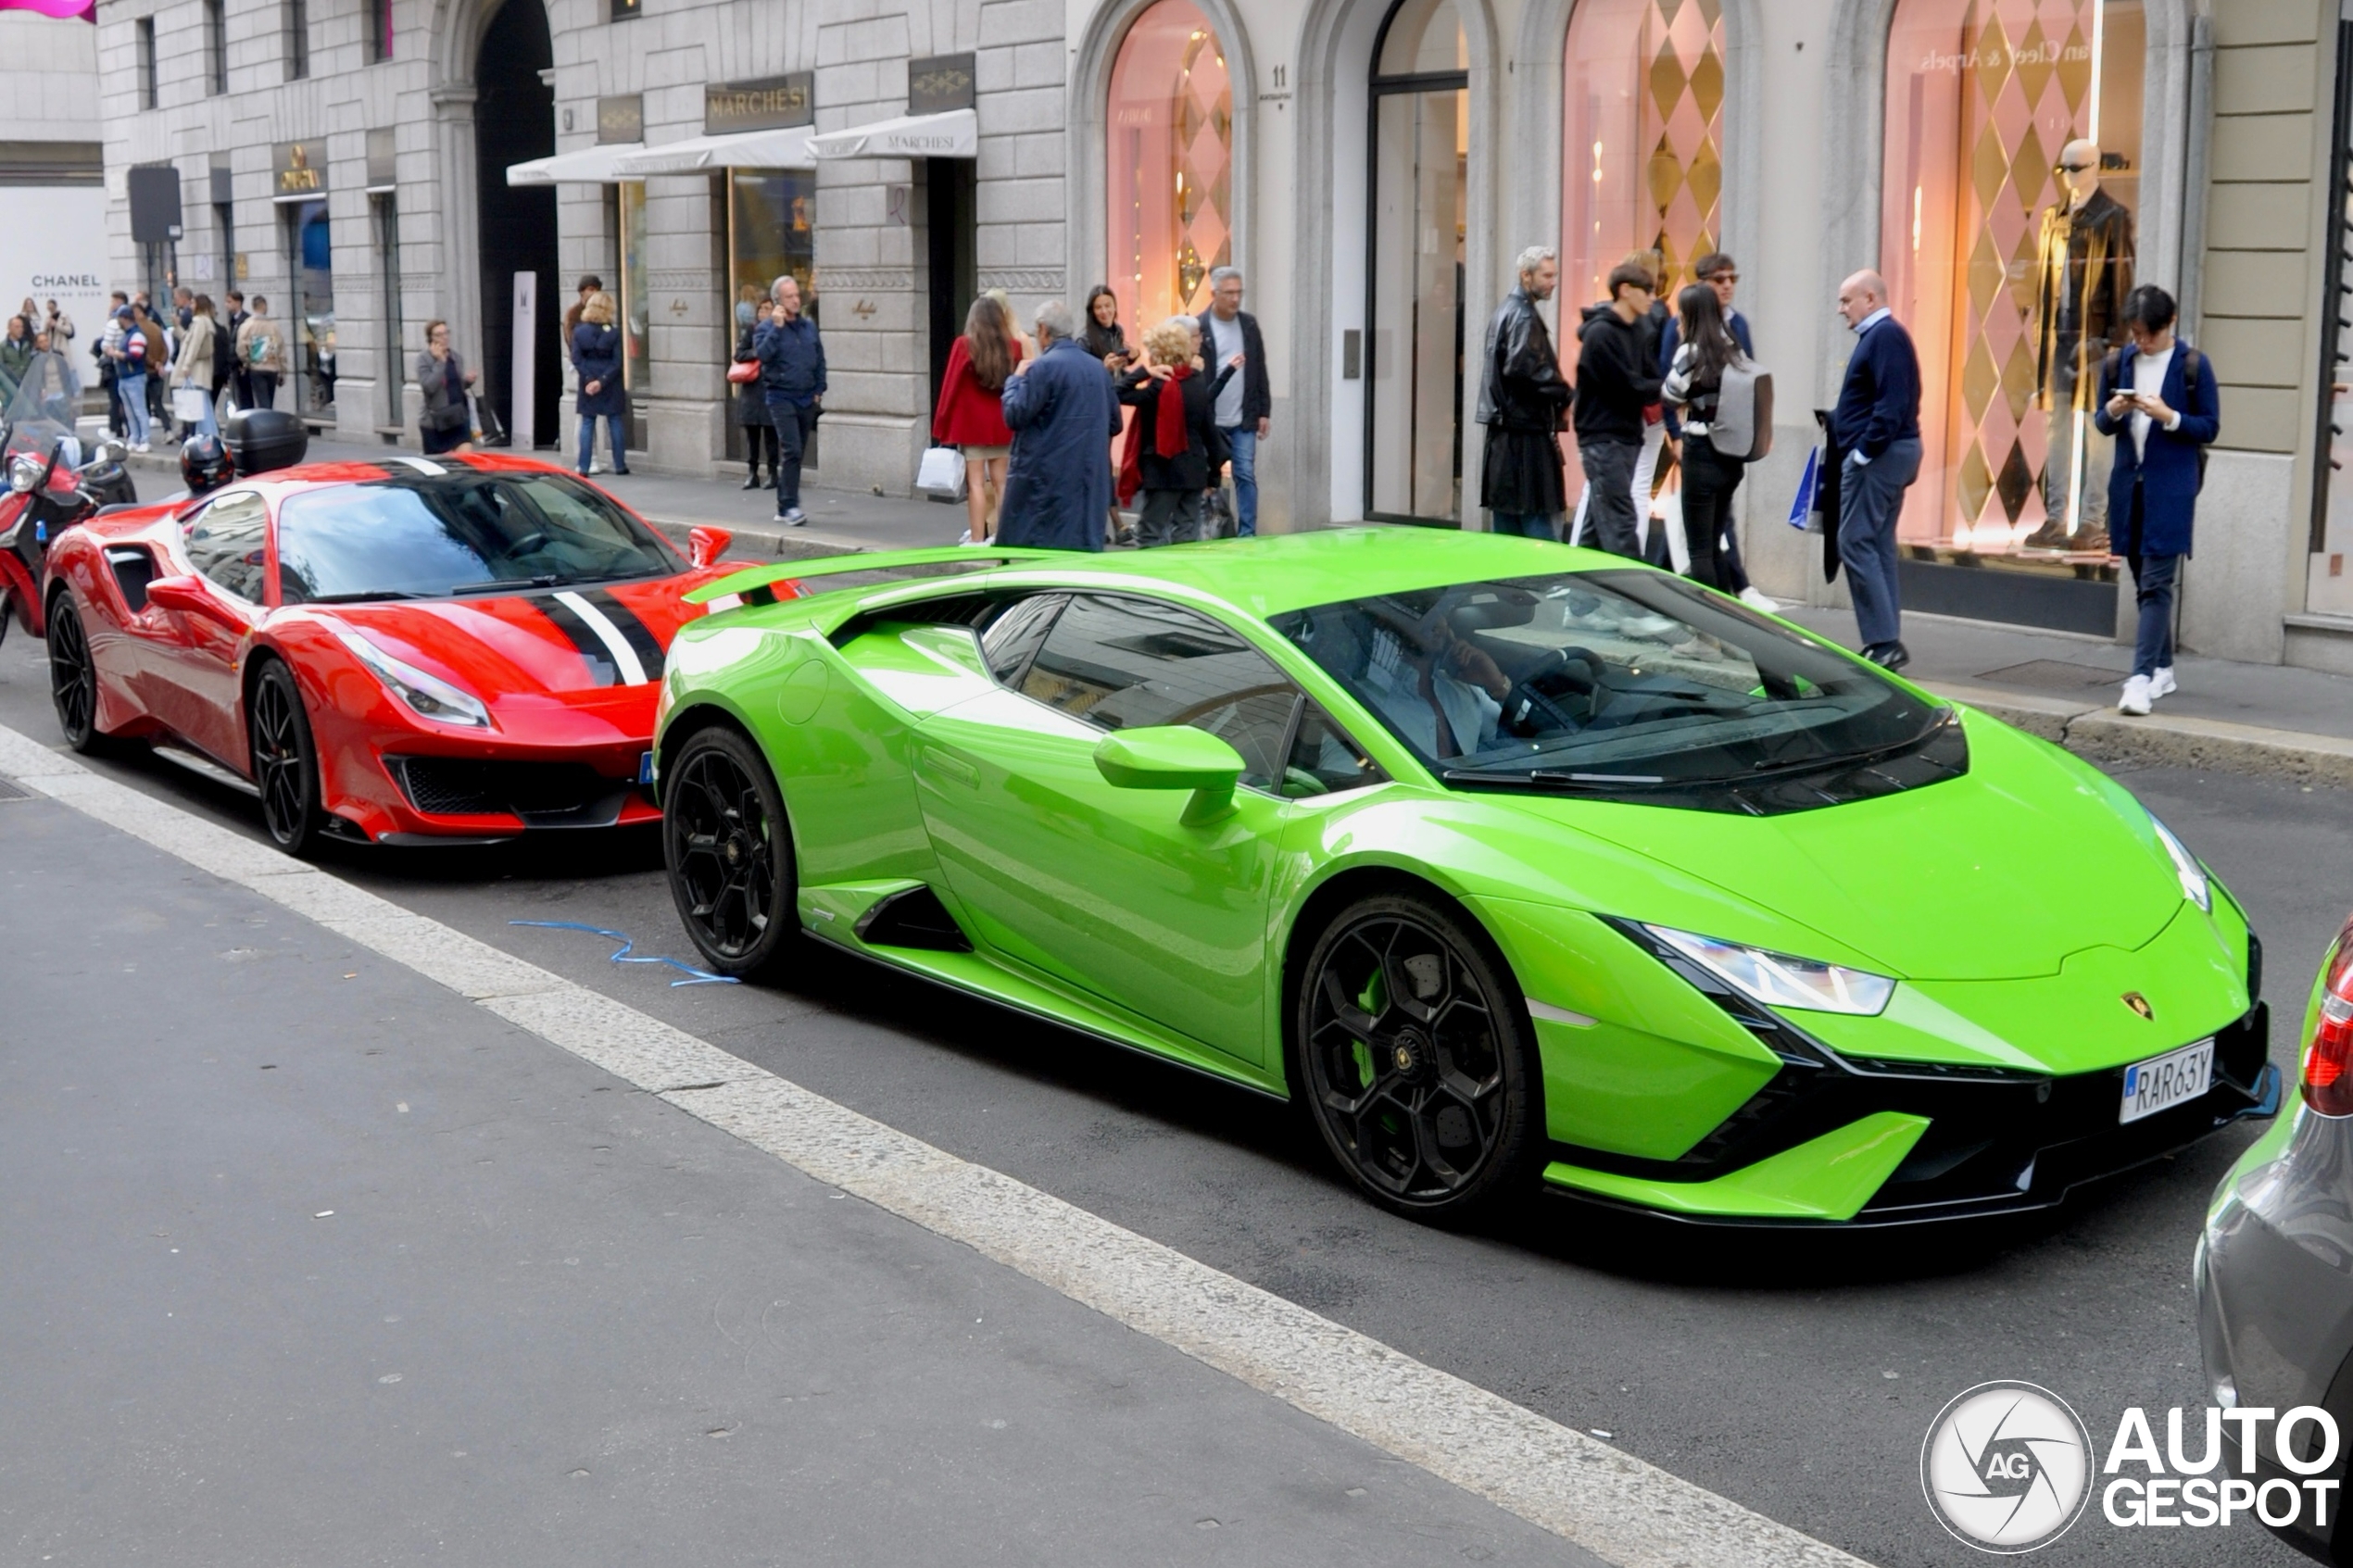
(586, 646)
(2001, 873)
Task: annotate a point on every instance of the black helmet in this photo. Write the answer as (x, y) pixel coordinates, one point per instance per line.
(203, 463)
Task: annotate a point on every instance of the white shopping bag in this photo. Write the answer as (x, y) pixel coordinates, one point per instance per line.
(188, 404)
(941, 476)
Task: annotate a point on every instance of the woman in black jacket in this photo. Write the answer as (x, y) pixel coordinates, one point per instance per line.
(1103, 337)
(1173, 446)
(596, 354)
(751, 406)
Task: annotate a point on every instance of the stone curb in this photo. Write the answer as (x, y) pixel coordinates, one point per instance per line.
(2101, 734)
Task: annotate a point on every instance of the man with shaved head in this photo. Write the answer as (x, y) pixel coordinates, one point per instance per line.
(1877, 424)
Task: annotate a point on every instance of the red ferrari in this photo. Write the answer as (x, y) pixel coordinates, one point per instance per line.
(410, 651)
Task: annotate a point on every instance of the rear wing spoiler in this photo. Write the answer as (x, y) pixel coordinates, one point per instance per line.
(758, 585)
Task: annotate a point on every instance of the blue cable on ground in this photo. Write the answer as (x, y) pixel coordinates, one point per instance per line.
(694, 976)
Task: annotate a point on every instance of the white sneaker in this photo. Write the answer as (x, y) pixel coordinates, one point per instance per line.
(2161, 683)
(2135, 701)
(1757, 601)
(1649, 627)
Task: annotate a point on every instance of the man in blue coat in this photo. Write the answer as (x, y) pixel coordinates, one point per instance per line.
(2162, 394)
(1063, 411)
(1877, 423)
(792, 381)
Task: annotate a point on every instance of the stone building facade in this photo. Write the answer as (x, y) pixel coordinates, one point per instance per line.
(1373, 166)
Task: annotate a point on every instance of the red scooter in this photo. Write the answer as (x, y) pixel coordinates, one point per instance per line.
(47, 492)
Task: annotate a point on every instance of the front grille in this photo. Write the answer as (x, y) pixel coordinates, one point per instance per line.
(542, 794)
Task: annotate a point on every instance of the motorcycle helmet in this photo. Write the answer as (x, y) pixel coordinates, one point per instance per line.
(203, 463)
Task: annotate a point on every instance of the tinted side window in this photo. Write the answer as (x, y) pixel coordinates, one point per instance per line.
(1323, 758)
(1014, 635)
(224, 543)
(1126, 663)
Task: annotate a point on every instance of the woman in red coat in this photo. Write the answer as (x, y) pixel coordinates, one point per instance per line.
(971, 414)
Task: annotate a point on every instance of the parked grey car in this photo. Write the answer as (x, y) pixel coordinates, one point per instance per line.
(2274, 1267)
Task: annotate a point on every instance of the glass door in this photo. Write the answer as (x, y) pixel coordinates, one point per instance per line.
(637, 310)
(771, 232)
(1420, 212)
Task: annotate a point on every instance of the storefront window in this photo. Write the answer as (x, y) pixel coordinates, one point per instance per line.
(2007, 236)
(1421, 210)
(772, 230)
(314, 308)
(637, 310)
(1171, 162)
(1642, 118)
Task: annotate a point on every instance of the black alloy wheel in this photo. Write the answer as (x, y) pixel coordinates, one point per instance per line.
(1415, 1058)
(726, 840)
(285, 764)
(73, 676)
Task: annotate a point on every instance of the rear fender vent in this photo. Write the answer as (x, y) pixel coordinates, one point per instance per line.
(914, 918)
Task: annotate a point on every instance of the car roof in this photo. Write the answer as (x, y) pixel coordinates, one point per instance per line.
(1273, 573)
(278, 483)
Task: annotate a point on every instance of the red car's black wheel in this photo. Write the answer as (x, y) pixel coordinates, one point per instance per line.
(73, 676)
(285, 765)
(724, 837)
(1416, 1060)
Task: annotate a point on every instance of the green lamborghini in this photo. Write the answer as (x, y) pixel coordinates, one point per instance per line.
(1518, 866)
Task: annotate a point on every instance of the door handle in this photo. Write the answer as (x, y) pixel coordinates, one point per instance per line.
(952, 768)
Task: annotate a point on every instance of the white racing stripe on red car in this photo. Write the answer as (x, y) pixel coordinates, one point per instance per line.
(1621, 1508)
(624, 657)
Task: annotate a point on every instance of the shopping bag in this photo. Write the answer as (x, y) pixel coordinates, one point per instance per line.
(188, 404)
(941, 476)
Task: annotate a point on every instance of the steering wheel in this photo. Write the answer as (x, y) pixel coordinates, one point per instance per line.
(1527, 707)
(530, 544)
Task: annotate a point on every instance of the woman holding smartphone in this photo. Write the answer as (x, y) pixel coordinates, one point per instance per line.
(1107, 340)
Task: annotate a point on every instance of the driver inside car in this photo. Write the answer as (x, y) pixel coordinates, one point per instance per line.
(1445, 695)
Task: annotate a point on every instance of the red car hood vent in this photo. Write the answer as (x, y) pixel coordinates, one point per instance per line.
(584, 640)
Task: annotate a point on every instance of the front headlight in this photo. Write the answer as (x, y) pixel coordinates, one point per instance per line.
(2193, 883)
(1778, 979)
(427, 696)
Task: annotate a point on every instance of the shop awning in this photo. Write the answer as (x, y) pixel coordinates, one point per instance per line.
(785, 148)
(589, 166)
(953, 134)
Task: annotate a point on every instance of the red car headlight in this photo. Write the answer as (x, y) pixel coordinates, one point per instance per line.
(426, 695)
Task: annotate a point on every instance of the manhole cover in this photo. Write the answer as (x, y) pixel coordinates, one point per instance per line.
(2054, 676)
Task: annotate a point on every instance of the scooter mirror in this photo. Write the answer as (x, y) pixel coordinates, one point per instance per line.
(26, 473)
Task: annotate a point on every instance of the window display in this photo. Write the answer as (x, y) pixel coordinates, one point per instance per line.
(771, 231)
(1171, 124)
(2007, 237)
(1642, 117)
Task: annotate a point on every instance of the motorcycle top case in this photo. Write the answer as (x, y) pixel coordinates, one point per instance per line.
(262, 439)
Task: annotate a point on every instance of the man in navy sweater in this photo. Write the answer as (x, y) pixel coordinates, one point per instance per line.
(1877, 425)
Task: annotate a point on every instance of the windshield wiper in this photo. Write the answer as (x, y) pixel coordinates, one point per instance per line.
(510, 584)
(1555, 778)
(360, 595)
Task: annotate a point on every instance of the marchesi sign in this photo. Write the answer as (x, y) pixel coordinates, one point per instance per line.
(771, 104)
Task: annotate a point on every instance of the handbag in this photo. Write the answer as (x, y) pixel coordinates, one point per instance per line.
(941, 474)
(743, 372)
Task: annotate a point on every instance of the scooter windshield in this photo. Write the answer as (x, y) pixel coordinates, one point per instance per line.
(43, 410)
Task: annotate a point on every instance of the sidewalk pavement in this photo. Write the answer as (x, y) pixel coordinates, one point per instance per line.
(2266, 720)
(313, 1259)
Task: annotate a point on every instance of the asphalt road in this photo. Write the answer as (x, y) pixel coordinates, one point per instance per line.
(1796, 1376)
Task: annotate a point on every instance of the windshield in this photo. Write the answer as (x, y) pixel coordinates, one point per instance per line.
(1628, 684)
(41, 406)
(424, 536)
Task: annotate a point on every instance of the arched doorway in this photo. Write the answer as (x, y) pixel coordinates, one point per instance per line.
(515, 121)
(1420, 210)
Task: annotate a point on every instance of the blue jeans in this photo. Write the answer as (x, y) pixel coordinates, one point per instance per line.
(207, 423)
(132, 392)
(1870, 499)
(1531, 525)
(2153, 580)
(1243, 439)
(613, 439)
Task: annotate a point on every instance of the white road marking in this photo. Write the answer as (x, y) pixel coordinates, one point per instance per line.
(624, 657)
(1599, 1498)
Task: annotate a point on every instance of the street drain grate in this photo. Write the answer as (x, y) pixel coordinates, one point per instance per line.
(11, 790)
(2054, 676)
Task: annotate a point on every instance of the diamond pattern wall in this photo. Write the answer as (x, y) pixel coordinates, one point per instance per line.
(1644, 132)
(1171, 164)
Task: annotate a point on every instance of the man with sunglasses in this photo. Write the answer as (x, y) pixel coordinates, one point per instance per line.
(2084, 271)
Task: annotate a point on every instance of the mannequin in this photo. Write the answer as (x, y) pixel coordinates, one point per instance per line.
(2084, 271)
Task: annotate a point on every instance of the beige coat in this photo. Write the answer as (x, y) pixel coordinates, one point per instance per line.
(194, 367)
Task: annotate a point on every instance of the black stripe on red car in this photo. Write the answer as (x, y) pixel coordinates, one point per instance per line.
(583, 637)
(639, 636)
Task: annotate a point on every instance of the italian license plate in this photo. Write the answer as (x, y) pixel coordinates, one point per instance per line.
(2163, 1081)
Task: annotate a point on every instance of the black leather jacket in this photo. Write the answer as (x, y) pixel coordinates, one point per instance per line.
(1523, 387)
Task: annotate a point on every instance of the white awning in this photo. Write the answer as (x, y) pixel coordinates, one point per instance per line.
(953, 134)
(784, 148)
(589, 166)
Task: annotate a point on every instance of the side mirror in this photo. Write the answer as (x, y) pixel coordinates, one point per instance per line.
(188, 595)
(705, 545)
(1175, 756)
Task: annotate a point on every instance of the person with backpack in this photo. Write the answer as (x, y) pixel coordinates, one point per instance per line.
(1719, 272)
(1704, 353)
(2163, 395)
(262, 349)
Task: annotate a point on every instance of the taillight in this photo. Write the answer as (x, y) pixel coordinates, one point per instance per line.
(2328, 1058)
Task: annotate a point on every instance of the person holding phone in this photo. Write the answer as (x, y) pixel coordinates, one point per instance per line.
(2162, 393)
(1103, 337)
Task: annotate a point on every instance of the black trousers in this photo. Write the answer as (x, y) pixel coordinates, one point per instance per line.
(1708, 484)
(758, 439)
(794, 421)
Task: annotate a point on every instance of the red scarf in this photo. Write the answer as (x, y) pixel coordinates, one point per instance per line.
(1169, 437)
